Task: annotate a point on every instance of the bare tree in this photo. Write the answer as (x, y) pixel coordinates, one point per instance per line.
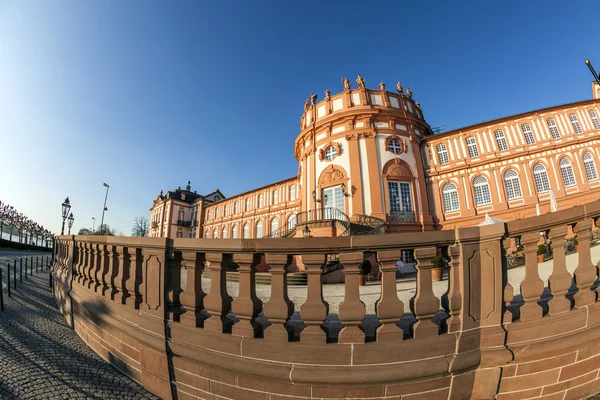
(140, 226)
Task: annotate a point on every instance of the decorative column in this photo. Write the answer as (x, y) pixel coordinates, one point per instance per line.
(560, 280)
(389, 308)
(315, 309)
(193, 296)
(218, 302)
(585, 274)
(247, 306)
(352, 309)
(279, 308)
(425, 304)
(532, 286)
(452, 300)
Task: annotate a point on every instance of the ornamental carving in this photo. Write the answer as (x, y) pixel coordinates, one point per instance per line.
(346, 82)
(332, 174)
(323, 150)
(360, 82)
(398, 169)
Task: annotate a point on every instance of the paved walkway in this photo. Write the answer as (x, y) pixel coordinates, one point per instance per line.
(42, 358)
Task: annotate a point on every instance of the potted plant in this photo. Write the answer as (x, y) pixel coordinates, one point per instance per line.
(541, 251)
(364, 269)
(438, 268)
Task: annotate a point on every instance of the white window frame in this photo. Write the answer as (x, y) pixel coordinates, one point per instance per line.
(450, 197)
(275, 196)
(553, 127)
(594, 118)
(248, 204)
(260, 201)
(224, 233)
(575, 123)
(292, 192)
(500, 140)
(528, 134)
(481, 191)
(394, 146)
(567, 173)
(540, 177)
(234, 231)
(330, 153)
(442, 153)
(590, 167)
(472, 147)
(276, 226)
(246, 231)
(259, 229)
(512, 184)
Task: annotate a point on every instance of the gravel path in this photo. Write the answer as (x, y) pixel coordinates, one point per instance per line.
(42, 358)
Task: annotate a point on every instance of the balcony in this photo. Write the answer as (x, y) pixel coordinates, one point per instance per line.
(182, 222)
(402, 216)
(155, 224)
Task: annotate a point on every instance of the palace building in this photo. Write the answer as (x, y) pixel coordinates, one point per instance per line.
(369, 163)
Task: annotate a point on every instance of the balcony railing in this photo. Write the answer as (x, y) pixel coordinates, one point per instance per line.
(154, 224)
(182, 222)
(402, 216)
(377, 225)
(286, 231)
(340, 218)
(463, 335)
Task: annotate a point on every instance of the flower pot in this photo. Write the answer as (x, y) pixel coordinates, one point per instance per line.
(436, 274)
(361, 280)
(540, 258)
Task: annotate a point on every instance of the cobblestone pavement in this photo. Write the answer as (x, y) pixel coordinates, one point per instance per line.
(42, 358)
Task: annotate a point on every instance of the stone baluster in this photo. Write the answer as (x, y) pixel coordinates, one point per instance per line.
(532, 286)
(120, 292)
(352, 309)
(116, 281)
(107, 272)
(85, 262)
(389, 308)
(509, 291)
(78, 264)
(218, 302)
(174, 286)
(452, 300)
(99, 264)
(90, 268)
(279, 308)
(560, 281)
(425, 304)
(247, 306)
(193, 296)
(585, 273)
(315, 309)
(133, 263)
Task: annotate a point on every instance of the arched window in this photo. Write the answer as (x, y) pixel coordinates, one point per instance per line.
(540, 176)
(512, 184)
(481, 190)
(224, 233)
(275, 196)
(291, 222)
(225, 210)
(215, 234)
(207, 234)
(472, 147)
(292, 192)
(590, 167)
(259, 231)
(234, 232)
(208, 215)
(260, 201)
(246, 231)
(274, 225)
(566, 170)
(500, 140)
(442, 153)
(553, 128)
(528, 134)
(575, 123)
(450, 197)
(217, 212)
(330, 153)
(594, 118)
(394, 146)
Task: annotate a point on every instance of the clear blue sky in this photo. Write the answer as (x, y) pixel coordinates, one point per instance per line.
(145, 95)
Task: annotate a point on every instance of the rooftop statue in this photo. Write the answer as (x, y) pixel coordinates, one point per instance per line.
(360, 82)
(346, 83)
(307, 104)
(313, 98)
(399, 87)
(408, 93)
(382, 86)
(327, 94)
(418, 105)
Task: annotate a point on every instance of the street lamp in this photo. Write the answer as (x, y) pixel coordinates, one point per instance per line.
(66, 206)
(94, 224)
(103, 209)
(71, 219)
(589, 64)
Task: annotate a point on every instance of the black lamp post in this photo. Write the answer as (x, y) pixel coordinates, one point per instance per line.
(589, 64)
(104, 209)
(71, 219)
(66, 206)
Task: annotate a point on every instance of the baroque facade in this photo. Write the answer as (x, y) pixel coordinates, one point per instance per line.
(368, 163)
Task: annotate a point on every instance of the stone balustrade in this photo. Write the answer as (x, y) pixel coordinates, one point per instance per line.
(140, 304)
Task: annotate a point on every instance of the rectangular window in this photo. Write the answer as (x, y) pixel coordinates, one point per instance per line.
(594, 118)
(407, 257)
(553, 128)
(528, 134)
(400, 197)
(500, 140)
(472, 147)
(442, 154)
(575, 123)
(260, 201)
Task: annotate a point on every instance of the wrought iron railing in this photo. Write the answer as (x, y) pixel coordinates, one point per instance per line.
(402, 216)
(284, 231)
(182, 222)
(326, 214)
(377, 225)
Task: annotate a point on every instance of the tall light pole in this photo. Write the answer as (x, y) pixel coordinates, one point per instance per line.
(103, 209)
(66, 206)
(589, 64)
(93, 225)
